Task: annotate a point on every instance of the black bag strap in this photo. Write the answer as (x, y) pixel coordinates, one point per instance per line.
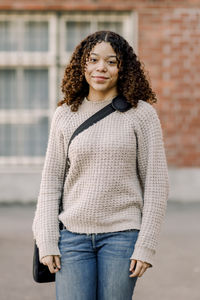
(118, 103)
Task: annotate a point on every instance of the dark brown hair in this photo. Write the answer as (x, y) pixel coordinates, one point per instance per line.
(132, 82)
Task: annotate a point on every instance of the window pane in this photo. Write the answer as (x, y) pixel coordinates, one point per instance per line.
(8, 89)
(27, 92)
(112, 26)
(75, 32)
(8, 36)
(35, 89)
(24, 139)
(36, 36)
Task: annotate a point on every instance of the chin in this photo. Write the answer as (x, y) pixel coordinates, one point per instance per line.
(100, 88)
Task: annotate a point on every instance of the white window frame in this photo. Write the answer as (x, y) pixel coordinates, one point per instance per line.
(25, 59)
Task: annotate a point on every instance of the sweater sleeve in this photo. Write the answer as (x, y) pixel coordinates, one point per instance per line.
(153, 174)
(45, 224)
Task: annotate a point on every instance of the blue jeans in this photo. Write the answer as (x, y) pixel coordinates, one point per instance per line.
(96, 266)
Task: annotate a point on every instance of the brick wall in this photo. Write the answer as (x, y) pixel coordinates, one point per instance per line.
(173, 60)
(169, 46)
(95, 4)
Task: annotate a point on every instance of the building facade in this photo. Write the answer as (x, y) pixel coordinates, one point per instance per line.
(36, 41)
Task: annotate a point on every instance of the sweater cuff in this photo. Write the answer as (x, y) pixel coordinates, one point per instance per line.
(48, 249)
(144, 254)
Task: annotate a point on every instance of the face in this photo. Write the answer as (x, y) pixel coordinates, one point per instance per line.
(101, 72)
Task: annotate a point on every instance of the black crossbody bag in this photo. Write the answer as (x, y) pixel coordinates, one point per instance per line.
(41, 273)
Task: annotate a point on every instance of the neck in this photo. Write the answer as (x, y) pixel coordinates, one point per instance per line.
(101, 96)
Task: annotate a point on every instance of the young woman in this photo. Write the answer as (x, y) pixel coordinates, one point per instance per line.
(116, 187)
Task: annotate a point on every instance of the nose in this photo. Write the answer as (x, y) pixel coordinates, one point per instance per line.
(101, 66)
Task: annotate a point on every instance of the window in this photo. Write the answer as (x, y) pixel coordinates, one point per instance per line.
(27, 98)
(36, 36)
(8, 36)
(24, 89)
(34, 50)
(28, 35)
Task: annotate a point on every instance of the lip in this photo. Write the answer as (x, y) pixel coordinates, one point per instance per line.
(100, 77)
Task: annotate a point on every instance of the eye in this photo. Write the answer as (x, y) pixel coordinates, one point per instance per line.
(111, 62)
(93, 59)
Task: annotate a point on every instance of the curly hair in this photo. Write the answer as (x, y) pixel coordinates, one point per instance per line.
(132, 82)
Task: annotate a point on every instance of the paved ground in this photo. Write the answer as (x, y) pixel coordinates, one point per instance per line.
(175, 275)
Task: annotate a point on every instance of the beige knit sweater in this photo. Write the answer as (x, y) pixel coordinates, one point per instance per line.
(117, 180)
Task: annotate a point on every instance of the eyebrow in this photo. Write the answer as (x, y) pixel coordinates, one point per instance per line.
(106, 56)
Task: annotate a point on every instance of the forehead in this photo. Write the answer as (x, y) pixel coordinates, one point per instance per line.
(103, 49)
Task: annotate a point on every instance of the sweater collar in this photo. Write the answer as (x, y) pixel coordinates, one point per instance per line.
(93, 106)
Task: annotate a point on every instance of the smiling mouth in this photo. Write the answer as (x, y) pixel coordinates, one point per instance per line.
(100, 77)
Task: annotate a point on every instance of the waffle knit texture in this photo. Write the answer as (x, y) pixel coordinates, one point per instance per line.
(117, 180)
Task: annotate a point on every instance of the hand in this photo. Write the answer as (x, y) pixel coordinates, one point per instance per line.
(138, 267)
(53, 262)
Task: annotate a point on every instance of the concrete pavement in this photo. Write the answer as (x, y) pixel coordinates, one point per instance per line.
(175, 275)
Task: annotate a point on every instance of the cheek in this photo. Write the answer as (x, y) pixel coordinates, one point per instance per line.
(115, 74)
(88, 69)
(88, 72)
(87, 78)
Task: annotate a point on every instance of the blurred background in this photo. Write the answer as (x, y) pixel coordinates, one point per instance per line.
(36, 41)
